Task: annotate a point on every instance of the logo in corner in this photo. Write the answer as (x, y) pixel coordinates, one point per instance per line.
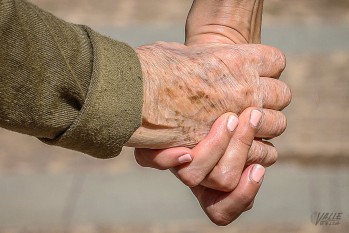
(326, 218)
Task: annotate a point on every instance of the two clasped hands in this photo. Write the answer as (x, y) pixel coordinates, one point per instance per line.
(213, 102)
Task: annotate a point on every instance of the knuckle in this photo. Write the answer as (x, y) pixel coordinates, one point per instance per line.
(271, 158)
(275, 53)
(263, 153)
(278, 123)
(281, 124)
(283, 60)
(191, 178)
(285, 95)
(257, 153)
(288, 95)
(245, 199)
(280, 59)
(227, 182)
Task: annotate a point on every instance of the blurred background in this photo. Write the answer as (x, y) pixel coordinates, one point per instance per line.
(47, 189)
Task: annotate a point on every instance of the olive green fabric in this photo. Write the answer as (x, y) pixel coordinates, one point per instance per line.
(66, 84)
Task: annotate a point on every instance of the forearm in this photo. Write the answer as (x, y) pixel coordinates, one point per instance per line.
(64, 83)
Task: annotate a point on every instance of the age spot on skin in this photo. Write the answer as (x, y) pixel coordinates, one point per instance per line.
(248, 93)
(199, 96)
(170, 93)
(194, 99)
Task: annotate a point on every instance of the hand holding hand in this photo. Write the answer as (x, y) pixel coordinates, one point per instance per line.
(188, 87)
(213, 23)
(217, 173)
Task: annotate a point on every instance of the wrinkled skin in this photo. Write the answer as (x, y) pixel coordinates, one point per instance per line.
(187, 88)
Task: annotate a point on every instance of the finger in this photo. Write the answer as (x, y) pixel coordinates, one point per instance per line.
(223, 208)
(163, 159)
(263, 153)
(275, 94)
(224, 22)
(226, 174)
(272, 61)
(245, 192)
(265, 60)
(209, 151)
(273, 124)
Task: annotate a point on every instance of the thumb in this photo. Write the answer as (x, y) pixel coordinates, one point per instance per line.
(225, 21)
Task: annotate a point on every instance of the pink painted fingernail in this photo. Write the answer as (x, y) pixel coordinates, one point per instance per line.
(233, 122)
(185, 159)
(257, 173)
(256, 117)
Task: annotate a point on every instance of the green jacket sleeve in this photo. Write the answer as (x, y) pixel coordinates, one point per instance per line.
(66, 84)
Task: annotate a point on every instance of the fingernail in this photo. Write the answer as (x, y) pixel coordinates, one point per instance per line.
(257, 173)
(256, 117)
(185, 159)
(233, 122)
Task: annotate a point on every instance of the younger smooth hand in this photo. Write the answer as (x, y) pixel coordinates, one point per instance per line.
(218, 170)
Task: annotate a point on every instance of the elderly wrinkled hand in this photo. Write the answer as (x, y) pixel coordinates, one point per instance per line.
(186, 88)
